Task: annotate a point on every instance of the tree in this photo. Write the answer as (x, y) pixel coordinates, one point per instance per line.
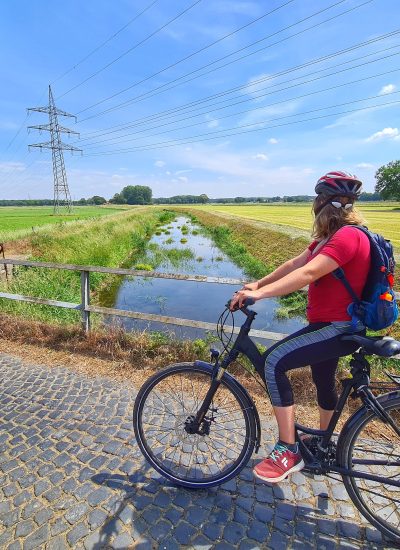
(388, 180)
(96, 200)
(203, 198)
(137, 194)
(118, 199)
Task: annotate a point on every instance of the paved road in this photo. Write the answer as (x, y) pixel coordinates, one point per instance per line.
(71, 476)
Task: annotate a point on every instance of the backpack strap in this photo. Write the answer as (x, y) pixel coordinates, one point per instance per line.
(339, 274)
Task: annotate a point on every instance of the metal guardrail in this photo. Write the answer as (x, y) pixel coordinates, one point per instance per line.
(86, 309)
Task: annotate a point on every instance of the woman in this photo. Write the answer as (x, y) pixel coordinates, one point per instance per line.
(318, 344)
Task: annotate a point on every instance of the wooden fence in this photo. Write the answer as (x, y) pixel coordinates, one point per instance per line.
(86, 308)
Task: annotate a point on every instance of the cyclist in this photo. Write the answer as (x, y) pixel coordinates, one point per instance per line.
(318, 344)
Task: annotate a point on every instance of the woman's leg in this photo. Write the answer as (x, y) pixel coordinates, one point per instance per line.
(323, 374)
(285, 419)
(306, 347)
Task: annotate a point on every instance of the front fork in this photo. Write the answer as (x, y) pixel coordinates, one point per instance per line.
(218, 373)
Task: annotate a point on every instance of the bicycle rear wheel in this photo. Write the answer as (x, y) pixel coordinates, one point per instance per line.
(372, 446)
(164, 406)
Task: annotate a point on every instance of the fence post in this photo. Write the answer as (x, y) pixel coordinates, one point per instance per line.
(5, 265)
(85, 300)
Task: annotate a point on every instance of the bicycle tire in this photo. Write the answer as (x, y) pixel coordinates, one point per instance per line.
(211, 449)
(369, 437)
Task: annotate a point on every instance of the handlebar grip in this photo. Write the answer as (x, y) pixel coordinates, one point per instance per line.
(246, 303)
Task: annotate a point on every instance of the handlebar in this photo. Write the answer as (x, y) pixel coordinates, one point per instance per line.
(248, 302)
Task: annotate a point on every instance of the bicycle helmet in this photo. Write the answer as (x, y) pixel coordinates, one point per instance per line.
(339, 183)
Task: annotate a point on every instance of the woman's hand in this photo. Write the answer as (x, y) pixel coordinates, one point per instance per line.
(250, 286)
(240, 296)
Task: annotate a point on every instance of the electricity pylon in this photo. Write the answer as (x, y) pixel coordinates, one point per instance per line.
(62, 196)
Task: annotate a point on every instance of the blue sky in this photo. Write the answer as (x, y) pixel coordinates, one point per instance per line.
(264, 112)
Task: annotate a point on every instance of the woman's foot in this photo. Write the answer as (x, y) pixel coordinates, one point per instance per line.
(280, 463)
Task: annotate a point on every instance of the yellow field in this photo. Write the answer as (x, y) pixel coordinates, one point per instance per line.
(381, 218)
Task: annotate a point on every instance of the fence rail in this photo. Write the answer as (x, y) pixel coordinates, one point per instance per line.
(86, 309)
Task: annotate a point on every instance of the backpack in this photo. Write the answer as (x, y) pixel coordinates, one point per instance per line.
(377, 308)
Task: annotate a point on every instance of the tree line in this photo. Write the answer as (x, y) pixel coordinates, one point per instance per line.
(387, 188)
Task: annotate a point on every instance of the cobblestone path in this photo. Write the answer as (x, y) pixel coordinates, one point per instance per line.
(71, 476)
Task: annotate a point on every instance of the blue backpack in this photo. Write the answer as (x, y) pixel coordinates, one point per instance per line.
(377, 308)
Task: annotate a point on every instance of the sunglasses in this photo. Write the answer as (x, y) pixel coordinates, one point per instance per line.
(338, 204)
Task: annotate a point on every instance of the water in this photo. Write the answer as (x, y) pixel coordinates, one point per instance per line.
(188, 299)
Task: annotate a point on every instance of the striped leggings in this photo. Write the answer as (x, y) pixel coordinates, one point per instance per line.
(317, 345)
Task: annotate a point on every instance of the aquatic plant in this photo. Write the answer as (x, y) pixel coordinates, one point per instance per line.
(144, 267)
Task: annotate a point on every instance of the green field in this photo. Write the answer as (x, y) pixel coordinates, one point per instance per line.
(18, 222)
(380, 217)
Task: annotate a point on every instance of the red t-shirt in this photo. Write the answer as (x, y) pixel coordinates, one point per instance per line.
(328, 299)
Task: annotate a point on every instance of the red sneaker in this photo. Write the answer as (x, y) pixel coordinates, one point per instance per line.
(280, 463)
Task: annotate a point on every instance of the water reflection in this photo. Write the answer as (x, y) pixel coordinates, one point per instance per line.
(179, 247)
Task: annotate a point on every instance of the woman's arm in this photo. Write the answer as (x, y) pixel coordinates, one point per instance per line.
(280, 272)
(315, 269)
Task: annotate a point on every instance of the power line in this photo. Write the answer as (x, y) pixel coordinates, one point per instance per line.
(191, 55)
(131, 49)
(105, 42)
(162, 88)
(261, 96)
(91, 145)
(173, 111)
(193, 139)
(82, 61)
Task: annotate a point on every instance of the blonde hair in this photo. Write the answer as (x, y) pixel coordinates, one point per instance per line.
(329, 219)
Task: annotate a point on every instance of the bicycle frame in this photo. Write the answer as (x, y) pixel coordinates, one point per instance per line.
(357, 386)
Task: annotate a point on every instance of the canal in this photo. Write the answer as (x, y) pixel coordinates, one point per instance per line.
(182, 247)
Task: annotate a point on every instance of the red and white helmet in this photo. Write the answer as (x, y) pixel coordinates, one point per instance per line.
(339, 183)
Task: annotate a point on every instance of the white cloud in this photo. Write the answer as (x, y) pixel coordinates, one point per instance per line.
(260, 156)
(159, 163)
(269, 113)
(273, 141)
(183, 179)
(388, 89)
(364, 165)
(180, 172)
(12, 167)
(386, 133)
(256, 84)
(213, 124)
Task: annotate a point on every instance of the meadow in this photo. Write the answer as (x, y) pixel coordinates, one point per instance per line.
(17, 222)
(380, 217)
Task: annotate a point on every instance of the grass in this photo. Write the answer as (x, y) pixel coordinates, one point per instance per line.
(20, 222)
(114, 241)
(258, 251)
(155, 255)
(380, 217)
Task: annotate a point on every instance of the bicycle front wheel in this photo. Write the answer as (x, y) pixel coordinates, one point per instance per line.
(373, 447)
(165, 405)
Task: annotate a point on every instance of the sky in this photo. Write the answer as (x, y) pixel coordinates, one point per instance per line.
(223, 97)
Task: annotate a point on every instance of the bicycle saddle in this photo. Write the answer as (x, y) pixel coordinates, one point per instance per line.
(378, 345)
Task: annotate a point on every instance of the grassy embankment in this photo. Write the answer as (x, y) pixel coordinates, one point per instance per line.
(111, 241)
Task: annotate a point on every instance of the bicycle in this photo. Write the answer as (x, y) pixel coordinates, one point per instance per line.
(198, 426)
